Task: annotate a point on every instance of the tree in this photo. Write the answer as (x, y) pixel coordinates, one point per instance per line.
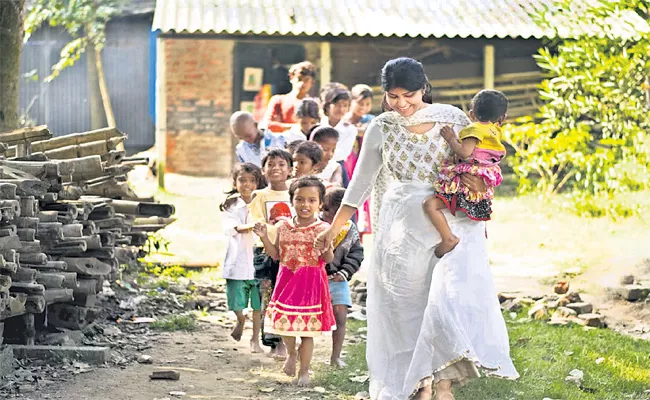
(591, 133)
(85, 21)
(12, 16)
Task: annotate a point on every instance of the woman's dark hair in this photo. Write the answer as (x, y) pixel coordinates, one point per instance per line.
(237, 169)
(302, 69)
(360, 92)
(323, 133)
(291, 147)
(307, 181)
(335, 93)
(489, 105)
(405, 73)
(312, 150)
(278, 153)
(308, 107)
(333, 198)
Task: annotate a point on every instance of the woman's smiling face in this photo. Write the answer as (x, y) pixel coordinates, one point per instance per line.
(404, 102)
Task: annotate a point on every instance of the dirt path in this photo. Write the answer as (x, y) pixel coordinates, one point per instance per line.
(212, 366)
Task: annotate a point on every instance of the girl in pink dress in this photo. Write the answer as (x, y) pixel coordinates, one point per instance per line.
(300, 305)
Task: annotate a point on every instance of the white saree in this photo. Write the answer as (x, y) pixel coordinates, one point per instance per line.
(427, 317)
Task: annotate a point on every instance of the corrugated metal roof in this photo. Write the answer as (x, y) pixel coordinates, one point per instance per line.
(425, 18)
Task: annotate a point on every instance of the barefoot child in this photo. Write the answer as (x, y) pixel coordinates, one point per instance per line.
(305, 159)
(348, 256)
(241, 287)
(301, 304)
(268, 206)
(479, 150)
(328, 169)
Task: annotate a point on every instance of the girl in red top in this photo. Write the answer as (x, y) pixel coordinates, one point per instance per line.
(281, 111)
(300, 305)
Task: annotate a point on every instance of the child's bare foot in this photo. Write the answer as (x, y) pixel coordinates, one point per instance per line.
(290, 364)
(255, 347)
(337, 363)
(303, 379)
(237, 331)
(423, 394)
(445, 246)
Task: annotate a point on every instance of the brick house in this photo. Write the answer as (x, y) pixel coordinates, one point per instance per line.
(203, 47)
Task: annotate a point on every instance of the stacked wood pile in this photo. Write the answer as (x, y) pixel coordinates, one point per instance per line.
(68, 219)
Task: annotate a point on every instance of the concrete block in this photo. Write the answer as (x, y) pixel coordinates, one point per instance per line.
(6, 361)
(90, 355)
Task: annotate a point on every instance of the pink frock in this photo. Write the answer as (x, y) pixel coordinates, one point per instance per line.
(300, 304)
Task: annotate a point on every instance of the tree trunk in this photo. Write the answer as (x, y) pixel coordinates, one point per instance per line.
(12, 17)
(94, 94)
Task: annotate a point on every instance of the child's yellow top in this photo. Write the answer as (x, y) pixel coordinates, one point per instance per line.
(487, 133)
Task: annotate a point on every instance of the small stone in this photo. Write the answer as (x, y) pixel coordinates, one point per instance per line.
(362, 396)
(561, 287)
(564, 312)
(633, 292)
(144, 359)
(555, 321)
(538, 312)
(581, 308)
(592, 320)
(600, 360)
(513, 305)
(566, 299)
(166, 374)
(506, 296)
(177, 393)
(319, 389)
(627, 279)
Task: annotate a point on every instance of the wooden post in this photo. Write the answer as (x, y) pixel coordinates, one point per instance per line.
(488, 66)
(325, 63)
(161, 112)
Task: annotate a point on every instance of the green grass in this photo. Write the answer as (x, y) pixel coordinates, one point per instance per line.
(175, 323)
(544, 355)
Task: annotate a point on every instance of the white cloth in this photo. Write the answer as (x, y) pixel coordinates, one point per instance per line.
(239, 255)
(424, 313)
(328, 172)
(294, 134)
(347, 136)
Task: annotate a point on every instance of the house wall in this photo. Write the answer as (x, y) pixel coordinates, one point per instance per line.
(199, 87)
(63, 103)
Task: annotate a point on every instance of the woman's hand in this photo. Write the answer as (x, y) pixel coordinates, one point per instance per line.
(260, 229)
(324, 240)
(473, 183)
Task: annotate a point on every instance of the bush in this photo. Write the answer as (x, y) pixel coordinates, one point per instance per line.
(591, 134)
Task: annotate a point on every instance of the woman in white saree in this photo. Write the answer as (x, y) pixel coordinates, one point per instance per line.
(430, 320)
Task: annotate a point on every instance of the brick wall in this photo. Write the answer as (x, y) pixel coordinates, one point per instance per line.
(199, 104)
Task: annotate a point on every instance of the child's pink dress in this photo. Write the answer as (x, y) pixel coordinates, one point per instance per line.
(300, 304)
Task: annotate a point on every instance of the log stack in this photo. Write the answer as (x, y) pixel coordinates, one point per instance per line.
(68, 219)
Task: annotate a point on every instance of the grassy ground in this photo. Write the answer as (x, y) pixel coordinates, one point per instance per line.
(544, 355)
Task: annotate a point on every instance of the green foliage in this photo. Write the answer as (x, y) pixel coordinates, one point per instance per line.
(591, 133)
(175, 323)
(155, 243)
(170, 271)
(84, 20)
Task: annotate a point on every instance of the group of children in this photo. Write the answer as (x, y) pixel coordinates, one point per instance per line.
(287, 189)
(285, 192)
